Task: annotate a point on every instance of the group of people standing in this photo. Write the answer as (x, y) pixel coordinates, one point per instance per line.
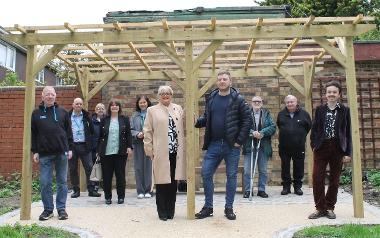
(155, 134)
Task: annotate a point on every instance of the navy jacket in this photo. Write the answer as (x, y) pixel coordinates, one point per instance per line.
(238, 119)
(51, 130)
(342, 128)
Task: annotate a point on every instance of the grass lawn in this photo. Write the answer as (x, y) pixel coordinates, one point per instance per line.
(344, 231)
(33, 231)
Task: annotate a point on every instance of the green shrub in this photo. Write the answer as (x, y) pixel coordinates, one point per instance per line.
(374, 177)
(11, 79)
(346, 177)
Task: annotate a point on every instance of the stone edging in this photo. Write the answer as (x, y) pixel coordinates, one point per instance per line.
(83, 233)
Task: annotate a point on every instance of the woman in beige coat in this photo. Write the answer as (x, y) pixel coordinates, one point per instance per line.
(164, 144)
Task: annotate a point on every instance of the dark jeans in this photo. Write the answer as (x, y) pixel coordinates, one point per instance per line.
(80, 151)
(298, 157)
(166, 193)
(330, 153)
(111, 164)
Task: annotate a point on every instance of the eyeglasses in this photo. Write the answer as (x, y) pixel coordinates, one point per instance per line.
(257, 101)
(165, 94)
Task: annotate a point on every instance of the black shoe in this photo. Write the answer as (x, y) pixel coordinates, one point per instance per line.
(62, 214)
(205, 212)
(229, 213)
(120, 200)
(298, 191)
(108, 201)
(246, 194)
(94, 194)
(262, 194)
(46, 215)
(163, 218)
(75, 194)
(317, 214)
(285, 191)
(330, 214)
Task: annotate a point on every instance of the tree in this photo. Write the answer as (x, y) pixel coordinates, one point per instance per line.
(333, 8)
(11, 79)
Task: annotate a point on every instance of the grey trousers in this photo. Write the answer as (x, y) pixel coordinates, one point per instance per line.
(143, 169)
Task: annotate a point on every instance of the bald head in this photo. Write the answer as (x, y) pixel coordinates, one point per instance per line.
(48, 96)
(77, 105)
(291, 103)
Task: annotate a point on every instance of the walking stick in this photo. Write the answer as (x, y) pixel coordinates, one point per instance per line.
(253, 167)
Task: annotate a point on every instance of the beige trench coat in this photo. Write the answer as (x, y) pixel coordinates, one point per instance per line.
(156, 142)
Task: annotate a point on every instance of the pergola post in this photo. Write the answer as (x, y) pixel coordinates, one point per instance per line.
(26, 182)
(309, 70)
(357, 188)
(191, 97)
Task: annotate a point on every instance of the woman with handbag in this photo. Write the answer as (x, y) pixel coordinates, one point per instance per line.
(164, 144)
(142, 164)
(115, 144)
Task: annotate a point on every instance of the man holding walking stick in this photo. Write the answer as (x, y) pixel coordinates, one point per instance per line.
(258, 147)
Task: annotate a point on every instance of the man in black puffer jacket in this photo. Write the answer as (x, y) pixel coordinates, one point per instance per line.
(227, 119)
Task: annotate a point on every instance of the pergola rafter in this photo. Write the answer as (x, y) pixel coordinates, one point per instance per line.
(146, 51)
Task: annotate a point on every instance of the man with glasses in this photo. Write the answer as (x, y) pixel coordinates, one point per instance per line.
(227, 119)
(261, 130)
(293, 123)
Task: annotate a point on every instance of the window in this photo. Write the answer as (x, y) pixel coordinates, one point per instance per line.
(7, 56)
(41, 77)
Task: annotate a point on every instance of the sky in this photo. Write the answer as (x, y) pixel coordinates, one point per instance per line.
(53, 12)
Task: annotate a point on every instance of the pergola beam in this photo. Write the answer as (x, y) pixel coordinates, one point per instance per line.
(170, 53)
(102, 57)
(283, 72)
(165, 26)
(252, 44)
(29, 101)
(211, 48)
(103, 81)
(202, 73)
(334, 52)
(173, 77)
(46, 58)
(220, 33)
(139, 57)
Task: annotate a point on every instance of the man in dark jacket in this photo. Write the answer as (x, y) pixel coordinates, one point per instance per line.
(293, 123)
(51, 145)
(227, 119)
(331, 143)
(83, 130)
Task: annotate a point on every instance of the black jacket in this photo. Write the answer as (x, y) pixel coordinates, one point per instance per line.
(293, 131)
(51, 130)
(125, 136)
(88, 128)
(342, 127)
(96, 135)
(238, 119)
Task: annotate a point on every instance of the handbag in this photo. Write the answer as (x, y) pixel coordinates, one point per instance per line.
(96, 173)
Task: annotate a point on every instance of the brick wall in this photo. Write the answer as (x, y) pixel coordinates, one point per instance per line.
(11, 121)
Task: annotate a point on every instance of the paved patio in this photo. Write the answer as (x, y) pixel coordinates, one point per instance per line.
(276, 216)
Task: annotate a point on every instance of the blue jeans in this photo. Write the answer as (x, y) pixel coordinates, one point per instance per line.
(46, 177)
(216, 152)
(262, 163)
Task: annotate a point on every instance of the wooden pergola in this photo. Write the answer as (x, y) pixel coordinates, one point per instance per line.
(189, 53)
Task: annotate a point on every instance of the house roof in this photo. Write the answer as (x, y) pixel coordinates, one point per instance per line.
(199, 13)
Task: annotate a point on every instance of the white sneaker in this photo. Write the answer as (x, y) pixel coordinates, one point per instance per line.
(148, 195)
(140, 196)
